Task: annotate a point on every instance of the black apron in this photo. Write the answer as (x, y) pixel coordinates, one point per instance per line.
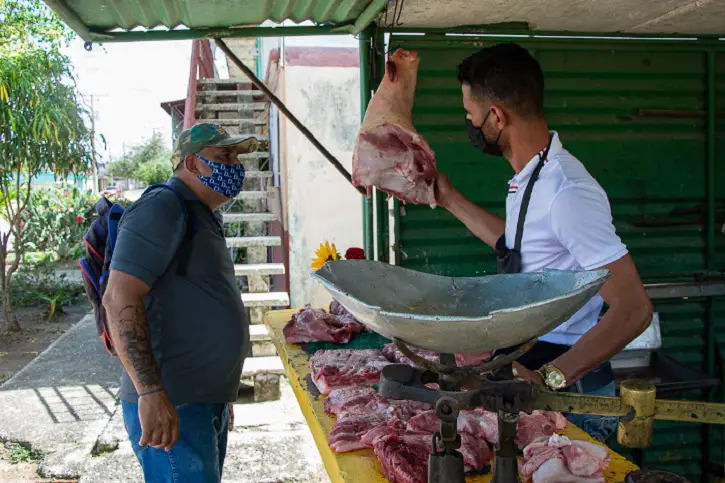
(508, 260)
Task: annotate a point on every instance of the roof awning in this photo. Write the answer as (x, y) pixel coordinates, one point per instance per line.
(132, 20)
(658, 17)
(125, 20)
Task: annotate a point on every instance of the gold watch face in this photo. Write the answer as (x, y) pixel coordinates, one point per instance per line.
(555, 380)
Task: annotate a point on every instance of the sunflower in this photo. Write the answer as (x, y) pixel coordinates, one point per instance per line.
(324, 254)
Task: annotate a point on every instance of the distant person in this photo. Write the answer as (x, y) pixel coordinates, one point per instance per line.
(175, 312)
(557, 217)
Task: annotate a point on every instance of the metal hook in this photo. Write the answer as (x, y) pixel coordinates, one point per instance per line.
(88, 46)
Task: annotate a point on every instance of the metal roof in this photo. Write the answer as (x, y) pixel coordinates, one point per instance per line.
(131, 20)
(689, 17)
(99, 20)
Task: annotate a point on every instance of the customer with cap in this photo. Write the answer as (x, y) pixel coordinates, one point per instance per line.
(175, 312)
(557, 217)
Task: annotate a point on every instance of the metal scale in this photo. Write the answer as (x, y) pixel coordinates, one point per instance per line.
(475, 314)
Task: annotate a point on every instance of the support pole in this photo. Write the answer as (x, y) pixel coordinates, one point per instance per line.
(280, 105)
(368, 235)
(382, 230)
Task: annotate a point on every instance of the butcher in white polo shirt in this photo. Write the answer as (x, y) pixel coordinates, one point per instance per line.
(557, 216)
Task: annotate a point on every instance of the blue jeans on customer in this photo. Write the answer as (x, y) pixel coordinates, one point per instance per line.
(598, 427)
(198, 456)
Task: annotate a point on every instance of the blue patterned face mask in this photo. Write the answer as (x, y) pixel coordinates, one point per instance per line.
(225, 179)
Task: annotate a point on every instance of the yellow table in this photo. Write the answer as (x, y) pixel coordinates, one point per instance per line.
(362, 466)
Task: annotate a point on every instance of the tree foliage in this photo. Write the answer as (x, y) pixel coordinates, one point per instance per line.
(42, 122)
(148, 161)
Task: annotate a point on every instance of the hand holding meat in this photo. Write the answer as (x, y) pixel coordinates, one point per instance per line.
(389, 153)
(444, 190)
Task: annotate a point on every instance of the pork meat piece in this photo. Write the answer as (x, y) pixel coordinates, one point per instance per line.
(347, 400)
(585, 459)
(554, 471)
(538, 424)
(403, 461)
(473, 358)
(346, 367)
(558, 459)
(396, 356)
(481, 425)
(314, 325)
(348, 431)
(389, 153)
(402, 409)
(476, 454)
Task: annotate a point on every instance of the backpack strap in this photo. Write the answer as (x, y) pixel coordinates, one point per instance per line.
(183, 252)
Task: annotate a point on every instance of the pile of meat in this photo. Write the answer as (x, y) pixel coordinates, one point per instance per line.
(557, 459)
(367, 420)
(315, 325)
(389, 153)
(400, 432)
(362, 367)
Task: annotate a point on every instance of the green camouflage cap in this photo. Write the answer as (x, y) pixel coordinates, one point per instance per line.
(196, 138)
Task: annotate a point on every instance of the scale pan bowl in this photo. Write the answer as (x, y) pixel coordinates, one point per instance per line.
(458, 314)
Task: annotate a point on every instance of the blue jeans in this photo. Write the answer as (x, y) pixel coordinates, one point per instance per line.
(598, 427)
(198, 456)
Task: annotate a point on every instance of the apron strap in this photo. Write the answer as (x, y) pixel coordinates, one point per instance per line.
(527, 197)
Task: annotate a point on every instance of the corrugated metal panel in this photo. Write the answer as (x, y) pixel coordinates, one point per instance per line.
(128, 14)
(649, 167)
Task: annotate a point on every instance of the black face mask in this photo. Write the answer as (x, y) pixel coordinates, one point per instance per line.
(475, 134)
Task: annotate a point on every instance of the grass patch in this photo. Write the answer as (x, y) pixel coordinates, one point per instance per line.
(20, 453)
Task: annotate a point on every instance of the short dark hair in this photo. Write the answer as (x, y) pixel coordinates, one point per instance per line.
(506, 73)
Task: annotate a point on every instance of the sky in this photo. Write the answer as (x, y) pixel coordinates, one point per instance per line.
(128, 82)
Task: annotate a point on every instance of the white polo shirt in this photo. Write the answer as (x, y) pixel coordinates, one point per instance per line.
(568, 227)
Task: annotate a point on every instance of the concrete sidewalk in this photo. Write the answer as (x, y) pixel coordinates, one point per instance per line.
(64, 404)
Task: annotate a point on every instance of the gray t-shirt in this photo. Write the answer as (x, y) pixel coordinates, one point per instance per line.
(197, 323)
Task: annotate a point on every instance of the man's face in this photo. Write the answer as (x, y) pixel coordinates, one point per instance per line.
(225, 154)
(475, 110)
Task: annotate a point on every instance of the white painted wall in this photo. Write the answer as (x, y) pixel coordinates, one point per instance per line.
(320, 204)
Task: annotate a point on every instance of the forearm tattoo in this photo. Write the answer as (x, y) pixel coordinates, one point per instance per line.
(133, 331)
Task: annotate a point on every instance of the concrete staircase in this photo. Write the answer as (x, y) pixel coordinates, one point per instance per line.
(240, 108)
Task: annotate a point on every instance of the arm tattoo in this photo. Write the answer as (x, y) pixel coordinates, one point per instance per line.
(133, 332)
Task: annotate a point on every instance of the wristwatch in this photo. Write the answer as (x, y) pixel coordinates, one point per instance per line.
(552, 376)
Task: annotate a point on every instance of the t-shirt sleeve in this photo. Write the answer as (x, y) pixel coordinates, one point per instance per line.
(582, 221)
(149, 234)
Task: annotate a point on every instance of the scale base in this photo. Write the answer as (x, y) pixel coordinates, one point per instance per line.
(446, 468)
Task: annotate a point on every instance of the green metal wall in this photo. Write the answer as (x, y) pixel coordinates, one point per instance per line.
(651, 167)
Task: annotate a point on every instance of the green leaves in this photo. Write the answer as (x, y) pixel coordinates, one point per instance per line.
(148, 161)
(30, 24)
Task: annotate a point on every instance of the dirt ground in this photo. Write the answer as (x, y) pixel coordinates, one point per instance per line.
(17, 349)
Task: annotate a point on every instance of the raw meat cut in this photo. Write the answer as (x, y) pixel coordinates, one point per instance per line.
(554, 471)
(480, 424)
(348, 400)
(394, 355)
(345, 367)
(483, 424)
(337, 309)
(348, 431)
(361, 411)
(472, 359)
(475, 453)
(402, 461)
(389, 153)
(537, 424)
(313, 325)
(558, 459)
